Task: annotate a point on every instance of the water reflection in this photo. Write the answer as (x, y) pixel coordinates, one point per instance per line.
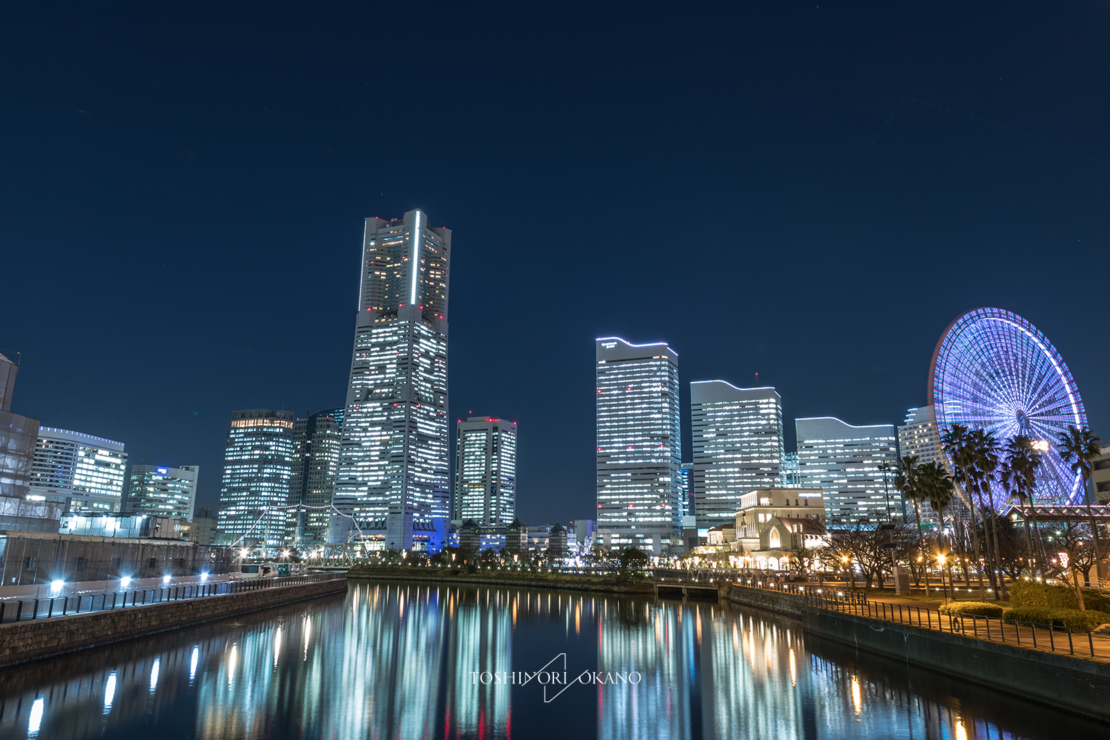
(406, 661)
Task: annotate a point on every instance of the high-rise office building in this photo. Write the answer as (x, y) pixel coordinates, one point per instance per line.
(83, 470)
(791, 477)
(919, 437)
(738, 447)
(394, 455)
(639, 448)
(19, 512)
(258, 462)
(315, 465)
(17, 438)
(686, 503)
(163, 491)
(844, 461)
(485, 471)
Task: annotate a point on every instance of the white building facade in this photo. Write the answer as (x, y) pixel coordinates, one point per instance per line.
(738, 446)
(844, 461)
(394, 453)
(485, 471)
(639, 447)
(163, 491)
(86, 470)
(919, 437)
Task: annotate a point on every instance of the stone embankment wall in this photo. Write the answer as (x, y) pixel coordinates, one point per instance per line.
(1081, 686)
(786, 604)
(24, 641)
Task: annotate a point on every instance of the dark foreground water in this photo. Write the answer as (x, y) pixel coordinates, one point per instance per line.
(395, 661)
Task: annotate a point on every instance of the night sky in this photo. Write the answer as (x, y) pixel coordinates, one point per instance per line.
(807, 191)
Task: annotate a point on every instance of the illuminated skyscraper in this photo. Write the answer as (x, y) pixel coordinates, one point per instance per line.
(258, 460)
(639, 449)
(394, 453)
(918, 436)
(315, 465)
(738, 446)
(87, 471)
(686, 503)
(163, 491)
(843, 461)
(485, 471)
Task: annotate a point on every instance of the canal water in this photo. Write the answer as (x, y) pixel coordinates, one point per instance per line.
(392, 661)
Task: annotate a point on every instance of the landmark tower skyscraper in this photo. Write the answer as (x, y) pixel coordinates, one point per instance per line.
(395, 452)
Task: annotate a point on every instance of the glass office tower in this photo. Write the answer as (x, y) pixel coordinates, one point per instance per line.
(843, 461)
(163, 491)
(394, 454)
(258, 460)
(738, 447)
(485, 471)
(639, 448)
(315, 465)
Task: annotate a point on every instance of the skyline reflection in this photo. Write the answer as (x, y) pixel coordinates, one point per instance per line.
(395, 660)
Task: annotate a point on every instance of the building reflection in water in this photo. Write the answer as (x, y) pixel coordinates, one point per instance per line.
(401, 661)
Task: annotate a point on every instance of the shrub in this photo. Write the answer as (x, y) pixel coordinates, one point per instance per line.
(1035, 593)
(1073, 618)
(972, 608)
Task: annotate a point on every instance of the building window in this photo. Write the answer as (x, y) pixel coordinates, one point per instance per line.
(32, 563)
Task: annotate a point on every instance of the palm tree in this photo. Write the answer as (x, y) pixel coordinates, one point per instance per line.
(906, 473)
(1019, 474)
(937, 487)
(985, 456)
(957, 444)
(1081, 447)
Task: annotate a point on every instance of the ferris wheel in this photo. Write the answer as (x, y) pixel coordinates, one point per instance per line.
(993, 370)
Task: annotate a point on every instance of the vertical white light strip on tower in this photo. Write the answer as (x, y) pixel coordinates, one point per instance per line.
(362, 272)
(415, 254)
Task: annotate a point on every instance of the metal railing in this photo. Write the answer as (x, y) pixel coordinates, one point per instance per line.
(19, 610)
(763, 581)
(1034, 635)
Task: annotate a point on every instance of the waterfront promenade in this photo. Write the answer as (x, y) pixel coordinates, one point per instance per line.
(34, 639)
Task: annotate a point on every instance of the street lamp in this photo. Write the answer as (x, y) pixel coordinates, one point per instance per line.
(941, 558)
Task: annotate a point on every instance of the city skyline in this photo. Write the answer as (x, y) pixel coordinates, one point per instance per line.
(804, 219)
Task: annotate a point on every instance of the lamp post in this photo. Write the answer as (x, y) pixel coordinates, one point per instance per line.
(941, 559)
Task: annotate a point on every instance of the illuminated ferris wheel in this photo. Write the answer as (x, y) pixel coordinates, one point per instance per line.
(993, 370)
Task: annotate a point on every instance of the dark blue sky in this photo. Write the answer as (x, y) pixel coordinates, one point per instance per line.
(811, 191)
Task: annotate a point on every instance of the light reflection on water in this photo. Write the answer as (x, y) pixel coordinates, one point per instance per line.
(400, 661)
